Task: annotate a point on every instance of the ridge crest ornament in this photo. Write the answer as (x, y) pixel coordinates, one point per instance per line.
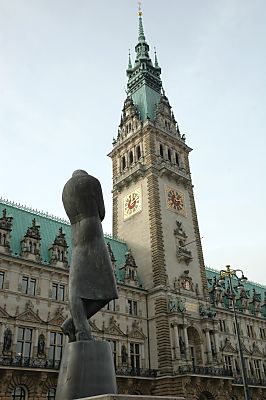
(175, 200)
(132, 203)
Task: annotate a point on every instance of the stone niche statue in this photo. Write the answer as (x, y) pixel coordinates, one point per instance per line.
(87, 367)
(7, 341)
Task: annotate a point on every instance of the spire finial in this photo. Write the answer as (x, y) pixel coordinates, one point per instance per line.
(155, 58)
(140, 10)
(141, 30)
(129, 60)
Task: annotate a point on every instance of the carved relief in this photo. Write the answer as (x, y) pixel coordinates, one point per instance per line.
(182, 253)
(186, 282)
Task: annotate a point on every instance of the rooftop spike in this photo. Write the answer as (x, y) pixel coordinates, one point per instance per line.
(155, 58)
(129, 60)
(141, 30)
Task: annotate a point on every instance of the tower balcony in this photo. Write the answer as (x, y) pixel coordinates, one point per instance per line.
(171, 170)
(130, 174)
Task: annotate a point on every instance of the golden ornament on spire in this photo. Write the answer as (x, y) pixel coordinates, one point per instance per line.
(140, 10)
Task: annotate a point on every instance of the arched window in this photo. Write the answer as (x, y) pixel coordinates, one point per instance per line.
(33, 248)
(29, 247)
(130, 157)
(177, 158)
(169, 154)
(51, 394)
(161, 150)
(19, 393)
(138, 152)
(123, 162)
(62, 255)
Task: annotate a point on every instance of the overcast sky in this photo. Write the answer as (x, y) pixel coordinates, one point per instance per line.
(62, 87)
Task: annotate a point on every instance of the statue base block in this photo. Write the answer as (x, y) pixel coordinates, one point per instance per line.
(132, 397)
(87, 369)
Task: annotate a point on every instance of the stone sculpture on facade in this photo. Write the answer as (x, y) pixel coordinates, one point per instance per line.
(7, 340)
(87, 367)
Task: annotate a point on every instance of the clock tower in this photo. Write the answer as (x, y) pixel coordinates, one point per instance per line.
(153, 201)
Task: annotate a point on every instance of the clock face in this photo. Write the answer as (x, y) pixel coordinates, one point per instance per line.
(132, 203)
(175, 200)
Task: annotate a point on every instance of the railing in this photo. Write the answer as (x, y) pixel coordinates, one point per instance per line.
(128, 371)
(250, 381)
(26, 362)
(208, 371)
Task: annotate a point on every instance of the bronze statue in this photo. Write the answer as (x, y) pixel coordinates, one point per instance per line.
(91, 280)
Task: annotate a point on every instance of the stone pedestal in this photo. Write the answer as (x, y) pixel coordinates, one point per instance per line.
(87, 369)
(131, 397)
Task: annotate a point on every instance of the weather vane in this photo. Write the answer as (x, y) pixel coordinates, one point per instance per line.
(140, 10)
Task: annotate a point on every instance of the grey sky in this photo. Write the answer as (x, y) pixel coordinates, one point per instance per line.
(62, 87)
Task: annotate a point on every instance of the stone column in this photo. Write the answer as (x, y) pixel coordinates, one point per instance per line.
(208, 345)
(186, 342)
(35, 342)
(176, 340)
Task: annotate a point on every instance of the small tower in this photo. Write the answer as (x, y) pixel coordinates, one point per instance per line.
(58, 251)
(31, 243)
(5, 232)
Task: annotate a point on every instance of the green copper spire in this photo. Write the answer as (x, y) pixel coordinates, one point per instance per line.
(141, 30)
(156, 64)
(144, 82)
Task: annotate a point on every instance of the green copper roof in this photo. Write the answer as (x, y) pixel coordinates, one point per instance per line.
(144, 82)
(49, 228)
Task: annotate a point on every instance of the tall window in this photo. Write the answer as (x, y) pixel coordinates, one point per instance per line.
(132, 307)
(58, 291)
(24, 342)
(169, 154)
(2, 276)
(113, 344)
(19, 393)
(138, 152)
(222, 325)
(51, 394)
(123, 162)
(257, 368)
(2, 239)
(262, 331)
(161, 150)
(111, 306)
(250, 331)
(28, 285)
(130, 157)
(177, 158)
(135, 356)
(56, 346)
(228, 362)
